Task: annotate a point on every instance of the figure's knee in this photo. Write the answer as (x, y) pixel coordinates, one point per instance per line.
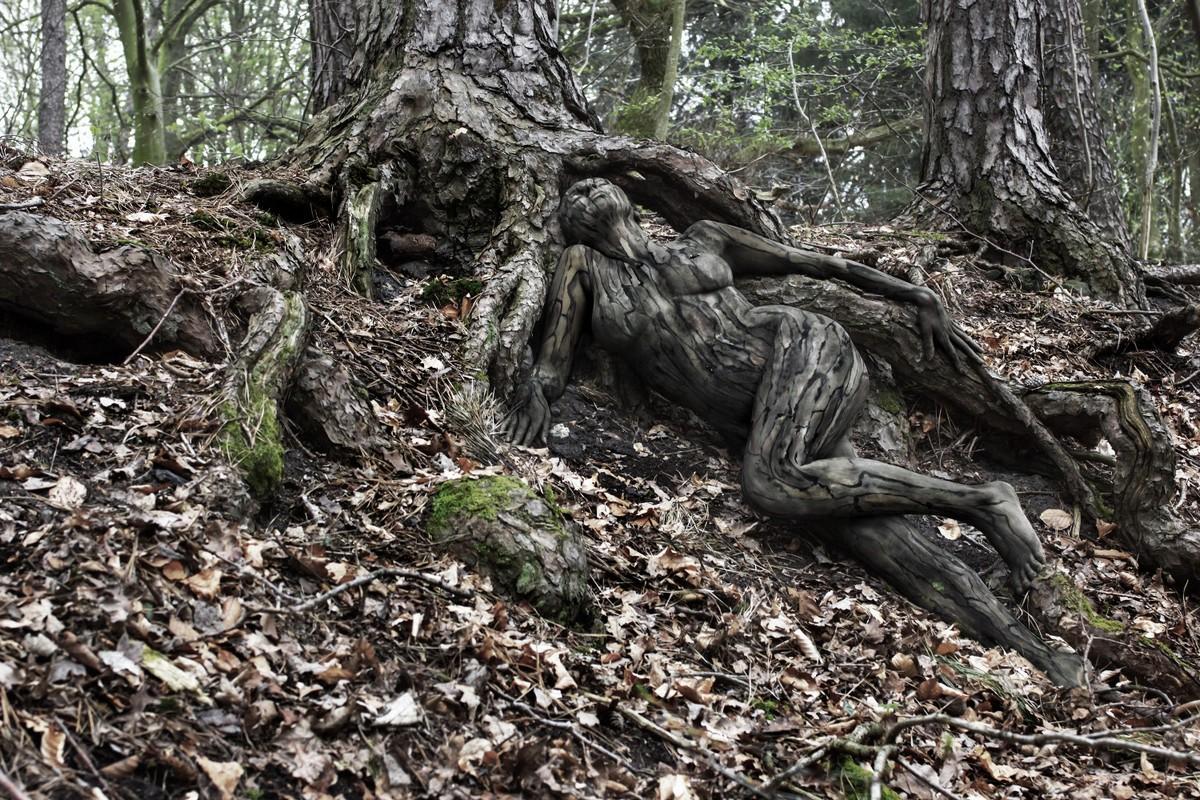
(773, 489)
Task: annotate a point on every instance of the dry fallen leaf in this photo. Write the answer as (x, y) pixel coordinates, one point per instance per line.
(1056, 519)
(53, 743)
(205, 583)
(225, 775)
(950, 529)
(403, 710)
(68, 493)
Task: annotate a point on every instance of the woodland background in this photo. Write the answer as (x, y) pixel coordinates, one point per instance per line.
(761, 88)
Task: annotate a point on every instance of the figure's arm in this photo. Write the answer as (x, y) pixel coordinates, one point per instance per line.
(567, 308)
(749, 254)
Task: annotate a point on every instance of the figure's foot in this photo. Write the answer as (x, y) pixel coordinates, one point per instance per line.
(1007, 528)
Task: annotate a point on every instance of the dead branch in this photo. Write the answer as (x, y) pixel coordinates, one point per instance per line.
(370, 577)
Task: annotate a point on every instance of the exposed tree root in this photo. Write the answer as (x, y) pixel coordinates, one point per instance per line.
(1182, 274)
(331, 412)
(252, 436)
(50, 275)
(1062, 608)
(1165, 333)
(359, 220)
(1143, 485)
(290, 201)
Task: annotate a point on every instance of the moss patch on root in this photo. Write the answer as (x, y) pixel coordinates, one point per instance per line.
(260, 458)
(483, 498)
(1078, 602)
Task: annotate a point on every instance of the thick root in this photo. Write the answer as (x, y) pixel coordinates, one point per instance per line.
(360, 217)
(49, 274)
(1143, 483)
(252, 436)
(331, 412)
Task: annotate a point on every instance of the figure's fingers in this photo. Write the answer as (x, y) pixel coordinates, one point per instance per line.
(927, 336)
(967, 347)
(951, 350)
(521, 429)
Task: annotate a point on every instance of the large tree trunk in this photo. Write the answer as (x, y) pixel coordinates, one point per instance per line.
(1077, 141)
(463, 121)
(52, 101)
(987, 161)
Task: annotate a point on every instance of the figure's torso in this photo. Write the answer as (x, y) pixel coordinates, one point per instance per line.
(689, 334)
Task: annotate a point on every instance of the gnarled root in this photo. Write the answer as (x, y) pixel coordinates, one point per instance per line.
(252, 435)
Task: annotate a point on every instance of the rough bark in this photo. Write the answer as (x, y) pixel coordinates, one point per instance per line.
(892, 548)
(469, 119)
(330, 411)
(987, 162)
(1183, 274)
(521, 539)
(50, 275)
(1143, 484)
(52, 100)
(1078, 146)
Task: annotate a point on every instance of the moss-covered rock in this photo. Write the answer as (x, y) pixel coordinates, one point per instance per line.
(520, 538)
(855, 780)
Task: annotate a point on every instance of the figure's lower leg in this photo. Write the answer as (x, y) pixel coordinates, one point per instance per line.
(846, 486)
(893, 549)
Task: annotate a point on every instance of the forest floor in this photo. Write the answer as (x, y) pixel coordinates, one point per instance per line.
(152, 647)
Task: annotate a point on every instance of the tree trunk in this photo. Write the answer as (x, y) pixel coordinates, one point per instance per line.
(468, 119)
(1076, 131)
(987, 160)
(657, 30)
(149, 137)
(52, 102)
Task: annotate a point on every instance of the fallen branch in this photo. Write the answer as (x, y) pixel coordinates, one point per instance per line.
(10, 788)
(1095, 742)
(362, 580)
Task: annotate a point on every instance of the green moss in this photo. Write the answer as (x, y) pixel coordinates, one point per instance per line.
(479, 497)
(890, 400)
(1077, 601)
(938, 586)
(442, 291)
(855, 781)
(770, 708)
(252, 437)
(260, 460)
(530, 578)
(210, 185)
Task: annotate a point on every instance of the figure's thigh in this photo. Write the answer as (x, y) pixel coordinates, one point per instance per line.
(813, 387)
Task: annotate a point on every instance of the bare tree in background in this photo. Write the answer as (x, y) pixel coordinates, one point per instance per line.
(52, 101)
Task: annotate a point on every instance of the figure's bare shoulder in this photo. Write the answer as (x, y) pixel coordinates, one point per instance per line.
(705, 235)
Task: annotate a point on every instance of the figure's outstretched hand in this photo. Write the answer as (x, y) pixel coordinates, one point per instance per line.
(938, 331)
(528, 420)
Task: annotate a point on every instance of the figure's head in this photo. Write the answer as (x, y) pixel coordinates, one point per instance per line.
(596, 213)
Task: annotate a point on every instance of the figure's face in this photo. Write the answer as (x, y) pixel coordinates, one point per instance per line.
(598, 214)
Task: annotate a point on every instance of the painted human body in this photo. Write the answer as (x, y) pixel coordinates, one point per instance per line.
(781, 383)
